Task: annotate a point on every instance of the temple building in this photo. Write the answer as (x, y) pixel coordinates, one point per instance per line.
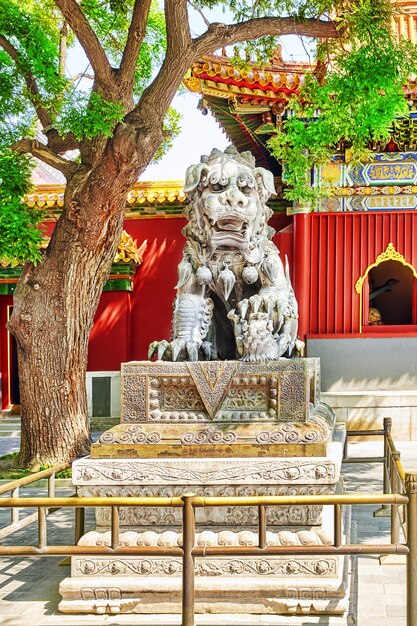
(353, 260)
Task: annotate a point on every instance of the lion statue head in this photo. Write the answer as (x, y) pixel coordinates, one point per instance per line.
(228, 197)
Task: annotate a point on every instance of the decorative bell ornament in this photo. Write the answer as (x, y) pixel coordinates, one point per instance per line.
(270, 268)
(227, 281)
(203, 275)
(250, 274)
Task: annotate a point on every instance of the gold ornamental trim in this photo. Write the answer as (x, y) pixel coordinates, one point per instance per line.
(389, 254)
(142, 193)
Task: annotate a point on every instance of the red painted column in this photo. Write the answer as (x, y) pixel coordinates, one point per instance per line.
(5, 301)
(301, 269)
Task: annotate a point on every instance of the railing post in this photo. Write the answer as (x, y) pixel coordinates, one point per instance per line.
(14, 512)
(51, 486)
(188, 543)
(42, 527)
(337, 532)
(345, 448)
(395, 483)
(411, 492)
(387, 430)
(79, 523)
(384, 511)
(261, 526)
(115, 538)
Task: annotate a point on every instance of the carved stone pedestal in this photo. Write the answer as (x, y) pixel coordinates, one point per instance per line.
(215, 428)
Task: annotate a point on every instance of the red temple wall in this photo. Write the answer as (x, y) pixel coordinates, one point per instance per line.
(126, 322)
(342, 246)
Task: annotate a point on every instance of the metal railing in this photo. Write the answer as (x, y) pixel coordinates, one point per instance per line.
(403, 487)
(393, 473)
(13, 487)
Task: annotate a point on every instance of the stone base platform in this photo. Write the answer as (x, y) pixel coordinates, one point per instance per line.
(256, 585)
(256, 596)
(217, 429)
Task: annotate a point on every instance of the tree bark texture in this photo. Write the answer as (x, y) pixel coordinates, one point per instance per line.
(55, 303)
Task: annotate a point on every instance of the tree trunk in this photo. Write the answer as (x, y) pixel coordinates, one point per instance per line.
(55, 303)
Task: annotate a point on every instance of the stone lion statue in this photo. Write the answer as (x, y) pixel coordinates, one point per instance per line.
(234, 298)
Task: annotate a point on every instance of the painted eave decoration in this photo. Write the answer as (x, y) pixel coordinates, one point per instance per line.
(144, 199)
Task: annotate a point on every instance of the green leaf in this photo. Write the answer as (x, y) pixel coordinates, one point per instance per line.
(20, 236)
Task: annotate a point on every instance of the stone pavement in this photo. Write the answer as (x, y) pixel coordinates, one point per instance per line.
(29, 586)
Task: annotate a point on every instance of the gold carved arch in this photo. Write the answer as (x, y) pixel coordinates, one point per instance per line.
(390, 254)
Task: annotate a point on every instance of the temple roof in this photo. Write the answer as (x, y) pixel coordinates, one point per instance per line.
(247, 101)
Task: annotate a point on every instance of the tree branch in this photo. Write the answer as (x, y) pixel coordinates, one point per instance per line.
(45, 154)
(89, 41)
(60, 144)
(81, 75)
(200, 12)
(158, 95)
(63, 34)
(178, 27)
(34, 95)
(135, 36)
(220, 35)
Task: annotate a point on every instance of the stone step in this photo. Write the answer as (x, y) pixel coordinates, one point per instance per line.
(10, 426)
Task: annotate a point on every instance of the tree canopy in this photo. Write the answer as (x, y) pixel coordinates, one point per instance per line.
(352, 98)
(130, 45)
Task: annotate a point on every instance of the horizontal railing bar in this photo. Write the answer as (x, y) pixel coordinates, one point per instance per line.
(288, 550)
(310, 499)
(33, 478)
(364, 459)
(201, 501)
(203, 550)
(365, 433)
(91, 550)
(90, 502)
(22, 523)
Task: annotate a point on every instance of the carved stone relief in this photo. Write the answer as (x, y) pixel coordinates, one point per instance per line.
(219, 390)
(246, 537)
(322, 567)
(230, 516)
(204, 471)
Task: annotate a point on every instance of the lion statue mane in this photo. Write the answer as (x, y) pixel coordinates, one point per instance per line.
(234, 298)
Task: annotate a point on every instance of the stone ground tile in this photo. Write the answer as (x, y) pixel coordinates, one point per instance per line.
(10, 587)
(204, 620)
(394, 610)
(370, 620)
(372, 606)
(395, 589)
(369, 589)
(372, 579)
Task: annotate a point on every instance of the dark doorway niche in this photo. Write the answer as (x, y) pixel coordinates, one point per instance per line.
(391, 292)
